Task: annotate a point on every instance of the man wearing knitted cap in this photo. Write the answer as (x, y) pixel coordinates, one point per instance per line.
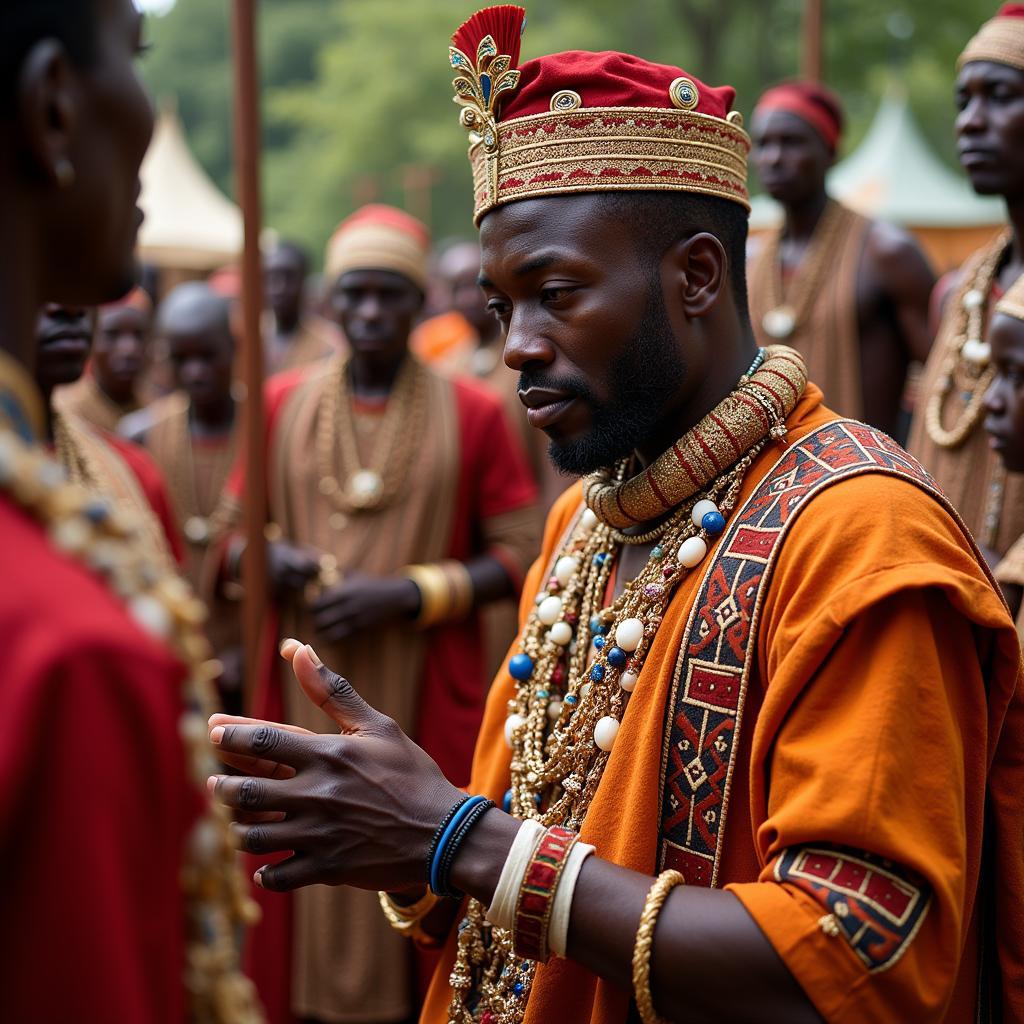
(402, 503)
(758, 653)
(947, 432)
(849, 294)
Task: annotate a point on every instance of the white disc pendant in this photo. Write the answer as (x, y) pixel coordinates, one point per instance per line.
(549, 611)
(554, 710)
(512, 723)
(565, 568)
(628, 681)
(605, 731)
(628, 634)
(692, 551)
(779, 323)
(701, 509)
(588, 521)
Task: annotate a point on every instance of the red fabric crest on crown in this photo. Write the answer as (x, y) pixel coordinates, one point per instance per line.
(1011, 11)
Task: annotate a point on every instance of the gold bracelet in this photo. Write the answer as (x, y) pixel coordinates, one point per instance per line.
(408, 920)
(460, 588)
(644, 943)
(435, 603)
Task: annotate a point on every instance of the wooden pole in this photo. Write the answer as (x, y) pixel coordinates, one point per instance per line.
(247, 178)
(811, 58)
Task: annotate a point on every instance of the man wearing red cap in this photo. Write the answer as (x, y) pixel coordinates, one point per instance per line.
(758, 654)
(406, 498)
(849, 294)
(947, 433)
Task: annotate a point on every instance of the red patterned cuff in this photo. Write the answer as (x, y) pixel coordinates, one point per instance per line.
(537, 894)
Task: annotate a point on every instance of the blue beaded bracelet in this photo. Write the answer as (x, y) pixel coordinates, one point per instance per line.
(463, 811)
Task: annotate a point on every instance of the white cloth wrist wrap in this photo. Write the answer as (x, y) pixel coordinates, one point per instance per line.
(502, 911)
(558, 927)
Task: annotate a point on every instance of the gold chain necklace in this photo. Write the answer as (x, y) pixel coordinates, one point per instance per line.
(965, 365)
(86, 529)
(374, 486)
(78, 466)
(784, 317)
(197, 516)
(578, 662)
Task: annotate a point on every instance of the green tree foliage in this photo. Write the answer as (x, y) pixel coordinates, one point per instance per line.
(357, 99)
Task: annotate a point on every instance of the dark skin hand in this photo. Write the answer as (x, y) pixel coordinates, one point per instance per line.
(361, 602)
(361, 806)
(360, 809)
(894, 281)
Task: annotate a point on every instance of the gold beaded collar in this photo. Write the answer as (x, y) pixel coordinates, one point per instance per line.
(21, 405)
(755, 410)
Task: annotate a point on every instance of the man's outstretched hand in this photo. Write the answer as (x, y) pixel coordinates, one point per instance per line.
(358, 808)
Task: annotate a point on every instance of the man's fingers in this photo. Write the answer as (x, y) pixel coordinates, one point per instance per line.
(258, 817)
(267, 837)
(293, 873)
(266, 743)
(257, 766)
(333, 694)
(288, 648)
(253, 795)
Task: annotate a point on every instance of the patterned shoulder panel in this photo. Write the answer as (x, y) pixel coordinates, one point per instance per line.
(705, 704)
(876, 905)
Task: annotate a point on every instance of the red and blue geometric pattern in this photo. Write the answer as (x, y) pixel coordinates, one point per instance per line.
(704, 713)
(877, 905)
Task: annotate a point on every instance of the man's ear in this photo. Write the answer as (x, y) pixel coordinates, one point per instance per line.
(698, 272)
(47, 111)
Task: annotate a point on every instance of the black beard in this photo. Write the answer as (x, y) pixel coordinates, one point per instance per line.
(642, 380)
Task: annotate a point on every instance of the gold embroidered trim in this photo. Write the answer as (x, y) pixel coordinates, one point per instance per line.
(653, 148)
(1000, 40)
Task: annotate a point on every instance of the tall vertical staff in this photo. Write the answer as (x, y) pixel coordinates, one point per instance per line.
(811, 58)
(247, 178)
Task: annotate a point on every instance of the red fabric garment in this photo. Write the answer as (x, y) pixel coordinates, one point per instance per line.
(95, 802)
(151, 480)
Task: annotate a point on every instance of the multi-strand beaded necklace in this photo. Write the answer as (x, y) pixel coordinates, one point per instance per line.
(966, 361)
(107, 542)
(580, 658)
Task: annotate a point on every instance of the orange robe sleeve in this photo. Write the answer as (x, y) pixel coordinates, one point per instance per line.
(94, 801)
(880, 662)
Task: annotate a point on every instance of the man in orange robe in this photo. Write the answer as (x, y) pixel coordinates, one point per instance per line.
(407, 497)
(93, 715)
(759, 653)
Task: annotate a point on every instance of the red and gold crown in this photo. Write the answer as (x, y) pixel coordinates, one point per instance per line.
(1000, 39)
(588, 122)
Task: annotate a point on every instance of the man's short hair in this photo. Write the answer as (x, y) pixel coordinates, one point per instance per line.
(660, 219)
(23, 23)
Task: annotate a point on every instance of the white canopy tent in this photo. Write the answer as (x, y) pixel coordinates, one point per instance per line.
(190, 225)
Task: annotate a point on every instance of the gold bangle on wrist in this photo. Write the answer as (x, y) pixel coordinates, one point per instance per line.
(644, 943)
(407, 920)
(435, 603)
(460, 588)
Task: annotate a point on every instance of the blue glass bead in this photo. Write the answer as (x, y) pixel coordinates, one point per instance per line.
(485, 87)
(96, 511)
(657, 552)
(600, 558)
(713, 523)
(518, 988)
(520, 667)
(543, 693)
(599, 642)
(597, 626)
(597, 673)
(617, 657)
(572, 700)
(506, 804)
